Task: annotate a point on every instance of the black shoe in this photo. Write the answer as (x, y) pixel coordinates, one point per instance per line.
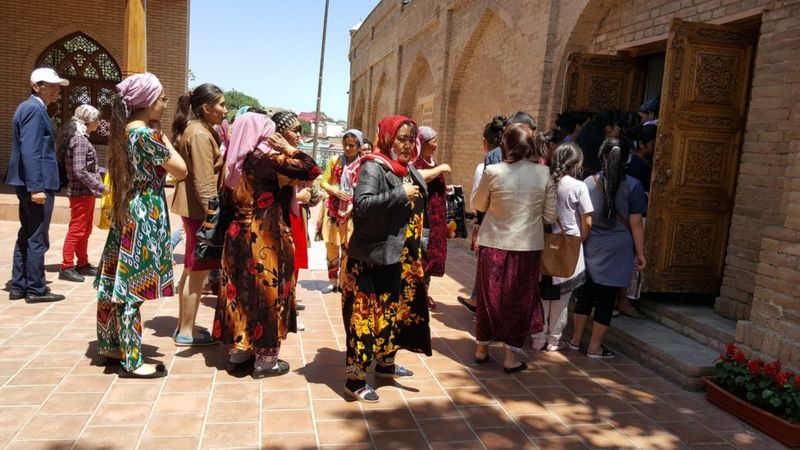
(87, 270)
(16, 295)
(70, 274)
(49, 297)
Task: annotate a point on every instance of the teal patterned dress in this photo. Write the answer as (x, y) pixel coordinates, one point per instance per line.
(137, 260)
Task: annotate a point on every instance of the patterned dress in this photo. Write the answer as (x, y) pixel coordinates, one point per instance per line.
(436, 252)
(137, 259)
(385, 307)
(256, 307)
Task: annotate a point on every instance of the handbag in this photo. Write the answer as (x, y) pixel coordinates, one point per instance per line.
(560, 253)
(105, 206)
(210, 237)
(456, 213)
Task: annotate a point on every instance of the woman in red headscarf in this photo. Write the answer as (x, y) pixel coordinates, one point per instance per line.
(383, 289)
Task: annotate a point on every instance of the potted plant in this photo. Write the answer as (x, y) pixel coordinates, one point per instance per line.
(762, 394)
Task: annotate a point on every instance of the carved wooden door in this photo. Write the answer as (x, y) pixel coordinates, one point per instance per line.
(704, 102)
(603, 82)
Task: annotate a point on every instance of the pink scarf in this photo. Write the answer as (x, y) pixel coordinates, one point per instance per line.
(250, 132)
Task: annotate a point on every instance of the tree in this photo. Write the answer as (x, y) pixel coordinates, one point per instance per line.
(308, 130)
(235, 100)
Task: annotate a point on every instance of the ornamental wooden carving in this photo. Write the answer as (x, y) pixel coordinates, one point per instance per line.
(602, 82)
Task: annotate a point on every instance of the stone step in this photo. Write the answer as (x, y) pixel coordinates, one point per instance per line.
(663, 350)
(695, 320)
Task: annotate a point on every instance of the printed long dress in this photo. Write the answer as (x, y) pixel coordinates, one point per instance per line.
(256, 306)
(385, 308)
(137, 259)
(335, 231)
(436, 209)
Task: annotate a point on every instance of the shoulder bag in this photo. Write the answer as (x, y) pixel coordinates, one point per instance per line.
(560, 254)
(210, 237)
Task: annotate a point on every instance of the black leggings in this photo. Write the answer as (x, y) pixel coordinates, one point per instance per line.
(598, 296)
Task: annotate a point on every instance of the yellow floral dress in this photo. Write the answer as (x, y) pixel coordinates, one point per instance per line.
(385, 308)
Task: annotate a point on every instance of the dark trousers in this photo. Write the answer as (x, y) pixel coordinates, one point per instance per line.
(591, 295)
(33, 241)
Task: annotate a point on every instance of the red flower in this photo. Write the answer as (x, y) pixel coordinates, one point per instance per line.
(230, 291)
(251, 267)
(264, 200)
(730, 349)
(233, 229)
(754, 367)
(777, 364)
(781, 378)
(217, 330)
(770, 370)
(258, 332)
(797, 382)
(739, 357)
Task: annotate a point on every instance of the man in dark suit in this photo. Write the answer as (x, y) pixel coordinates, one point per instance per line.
(33, 171)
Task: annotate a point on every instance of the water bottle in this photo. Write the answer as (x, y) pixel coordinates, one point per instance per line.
(636, 285)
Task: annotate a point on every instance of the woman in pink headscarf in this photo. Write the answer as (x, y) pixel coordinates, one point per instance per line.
(137, 260)
(256, 305)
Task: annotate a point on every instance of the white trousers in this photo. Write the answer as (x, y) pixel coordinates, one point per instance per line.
(555, 319)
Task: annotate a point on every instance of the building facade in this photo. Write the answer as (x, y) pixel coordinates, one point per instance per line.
(724, 216)
(85, 42)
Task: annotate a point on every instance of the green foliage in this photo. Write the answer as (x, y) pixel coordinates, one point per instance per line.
(308, 130)
(764, 385)
(235, 100)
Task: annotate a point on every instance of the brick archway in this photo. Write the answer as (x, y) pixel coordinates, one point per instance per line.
(419, 72)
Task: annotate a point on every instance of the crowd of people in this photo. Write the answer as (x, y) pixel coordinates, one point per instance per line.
(384, 223)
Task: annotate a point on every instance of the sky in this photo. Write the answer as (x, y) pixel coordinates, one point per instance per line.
(270, 49)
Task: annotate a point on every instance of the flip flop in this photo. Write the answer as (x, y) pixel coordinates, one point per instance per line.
(181, 341)
(463, 301)
(522, 366)
(573, 346)
(281, 367)
(606, 354)
(399, 372)
(365, 394)
(161, 371)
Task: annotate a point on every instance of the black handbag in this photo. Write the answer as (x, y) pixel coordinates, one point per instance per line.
(210, 237)
(456, 213)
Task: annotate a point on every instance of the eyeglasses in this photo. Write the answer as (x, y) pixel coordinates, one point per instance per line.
(406, 139)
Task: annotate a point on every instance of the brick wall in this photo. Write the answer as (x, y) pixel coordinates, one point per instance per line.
(26, 36)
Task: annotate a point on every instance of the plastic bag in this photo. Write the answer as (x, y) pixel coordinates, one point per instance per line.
(456, 213)
(106, 213)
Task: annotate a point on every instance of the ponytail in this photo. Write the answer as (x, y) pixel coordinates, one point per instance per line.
(182, 116)
(567, 160)
(614, 159)
(190, 106)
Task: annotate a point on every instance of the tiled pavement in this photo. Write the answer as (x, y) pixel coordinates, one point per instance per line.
(52, 396)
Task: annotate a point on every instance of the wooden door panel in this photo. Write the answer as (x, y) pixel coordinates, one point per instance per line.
(602, 82)
(703, 113)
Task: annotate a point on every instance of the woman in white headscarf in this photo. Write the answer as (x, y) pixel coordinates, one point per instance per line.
(82, 175)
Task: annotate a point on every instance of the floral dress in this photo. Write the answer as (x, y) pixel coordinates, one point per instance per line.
(137, 259)
(436, 251)
(385, 308)
(256, 308)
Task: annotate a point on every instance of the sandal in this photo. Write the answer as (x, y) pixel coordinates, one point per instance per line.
(522, 366)
(181, 341)
(431, 303)
(463, 301)
(281, 367)
(573, 346)
(483, 360)
(607, 353)
(366, 394)
(161, 371)
(399, 372)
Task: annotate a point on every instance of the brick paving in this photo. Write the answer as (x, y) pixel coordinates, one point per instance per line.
(52, 396)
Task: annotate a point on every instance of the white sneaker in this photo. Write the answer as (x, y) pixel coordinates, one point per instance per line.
(301, 326)
(557, 347)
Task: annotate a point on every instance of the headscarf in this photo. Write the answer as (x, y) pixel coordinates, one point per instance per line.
(425, 134)
(84, 114)
(139, 91)
(285, 121)
(250, 132)
(350, 171)
(241, 111)
(387, 132)
(358, 135)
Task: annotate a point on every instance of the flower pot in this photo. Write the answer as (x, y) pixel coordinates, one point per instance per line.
(781, 430)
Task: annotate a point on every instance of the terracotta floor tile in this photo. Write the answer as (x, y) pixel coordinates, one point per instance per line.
(603, 436)
(124, 393)
(244, 435)
(118, 437)
(444, 430)
(433, 408)
(392, 397)
(32, 377)
(40, 339)
(397, 440)
(289, 381)
(231, 412)
(634, 371)
(560, 443)
(522, 405)
(15, 416)
(504, 438)
(632, 393)
(71, 403)
(188, 383)
(492, 416)
(390, 420)
(543, 425)
(553, 395)
(58, 444)
(288, 421)
(470, 396)
(53, 427)
(584, 386)
(174, 425)
(610, 377)
(536, 379)
(692, 433)
(563, 371)
(85, 383)
(171, 443)
(236, 392)
(285, 399)
(458, 445)
(658, 385)
(576, 414)
(183, 366)
(748, 440)
(181, 403)
(634, 424)
(121, 414)
(607, 404)
(660, 412)
(289, 441)
(336, 410)
(504, 387)
(460, 379)
(18, 353)
(24, 395)
(343, 432)
(659, 442)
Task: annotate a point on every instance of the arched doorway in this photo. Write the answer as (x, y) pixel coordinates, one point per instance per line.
(92, 73)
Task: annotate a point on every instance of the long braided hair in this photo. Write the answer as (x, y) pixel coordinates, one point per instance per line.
(567, 159)
(613, 156)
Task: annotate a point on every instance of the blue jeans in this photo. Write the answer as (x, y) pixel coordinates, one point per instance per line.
(33, 241)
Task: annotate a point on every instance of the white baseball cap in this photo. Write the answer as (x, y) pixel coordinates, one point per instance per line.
(47, 75)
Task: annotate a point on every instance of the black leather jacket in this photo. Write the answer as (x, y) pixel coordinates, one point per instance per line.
(381, 214)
